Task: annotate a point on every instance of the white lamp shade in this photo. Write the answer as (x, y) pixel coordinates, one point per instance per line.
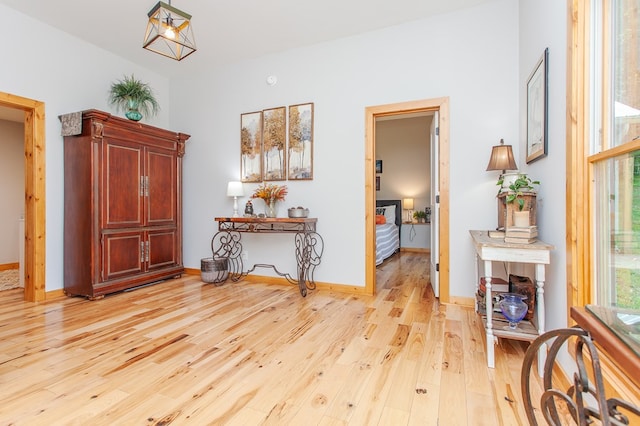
(407, 203)
(234, 189)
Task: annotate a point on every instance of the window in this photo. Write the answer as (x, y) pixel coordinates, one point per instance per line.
(610, 160)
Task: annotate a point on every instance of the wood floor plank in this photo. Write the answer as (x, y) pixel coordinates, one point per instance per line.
(186, 352)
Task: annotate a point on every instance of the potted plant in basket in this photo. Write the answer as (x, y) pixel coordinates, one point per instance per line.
(520, 187)
(133, 97)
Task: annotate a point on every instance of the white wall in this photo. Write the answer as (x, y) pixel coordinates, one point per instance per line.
(470, 56)
(68, 75)
(11, 188)
(543, 23)
(403, 145)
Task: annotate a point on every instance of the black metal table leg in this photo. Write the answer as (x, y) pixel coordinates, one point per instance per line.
(309, 248)
(226, 244)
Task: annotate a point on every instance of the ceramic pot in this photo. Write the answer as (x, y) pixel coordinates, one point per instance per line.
(521, 218)
(132, 113)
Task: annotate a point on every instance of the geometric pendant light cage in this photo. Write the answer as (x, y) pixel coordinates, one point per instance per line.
(169, 32)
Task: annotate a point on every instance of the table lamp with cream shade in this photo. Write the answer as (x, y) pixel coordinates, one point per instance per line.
(235, 190)
(407, 204)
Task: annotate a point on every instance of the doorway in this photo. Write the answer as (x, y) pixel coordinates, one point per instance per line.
(440, 106)
(34, 217)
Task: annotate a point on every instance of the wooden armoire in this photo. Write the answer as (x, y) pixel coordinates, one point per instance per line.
(123, 205)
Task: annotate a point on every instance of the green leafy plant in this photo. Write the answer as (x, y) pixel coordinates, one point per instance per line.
(132, 94)
(517, 188)
(420, 215)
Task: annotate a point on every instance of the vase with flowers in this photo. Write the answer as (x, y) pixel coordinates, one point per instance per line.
(270, 193)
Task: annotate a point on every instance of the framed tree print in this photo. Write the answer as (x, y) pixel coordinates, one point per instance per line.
(537, 91)
(251, 147)
(300, 153)
(274, 142)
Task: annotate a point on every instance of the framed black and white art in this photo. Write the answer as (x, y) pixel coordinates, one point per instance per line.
(537, 91)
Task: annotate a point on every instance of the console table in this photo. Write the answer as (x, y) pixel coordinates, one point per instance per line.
(226, 244)
(495, 249)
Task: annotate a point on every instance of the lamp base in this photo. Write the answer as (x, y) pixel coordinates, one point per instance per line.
(235, 207)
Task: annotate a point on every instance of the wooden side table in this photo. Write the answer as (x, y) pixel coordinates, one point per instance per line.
(489, 250)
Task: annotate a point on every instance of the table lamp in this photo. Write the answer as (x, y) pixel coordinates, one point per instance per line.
(502, 159)
(407, 204)
(234, 189)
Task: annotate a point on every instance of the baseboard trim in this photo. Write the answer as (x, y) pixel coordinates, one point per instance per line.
(54, 294)
(192, 271)
(8, 266)
(415, 249)
(340, 288)
(462, 301)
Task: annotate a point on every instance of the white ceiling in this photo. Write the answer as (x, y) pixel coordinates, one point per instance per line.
(228, 31)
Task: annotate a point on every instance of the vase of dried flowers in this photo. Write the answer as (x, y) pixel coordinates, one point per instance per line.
(270, 193)
(272, 209)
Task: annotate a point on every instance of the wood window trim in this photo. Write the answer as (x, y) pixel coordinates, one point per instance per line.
(578, 122)
(580, 165)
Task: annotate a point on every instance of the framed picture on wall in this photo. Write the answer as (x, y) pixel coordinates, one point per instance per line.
(274, 143)
(300, 153)
(251, 147)
(377, 183)
(378, 166)
(537, 91)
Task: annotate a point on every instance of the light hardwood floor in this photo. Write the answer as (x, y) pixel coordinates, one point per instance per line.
(185, 352)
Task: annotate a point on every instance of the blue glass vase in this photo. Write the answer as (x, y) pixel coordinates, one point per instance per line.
(513, 308)
(132, 112)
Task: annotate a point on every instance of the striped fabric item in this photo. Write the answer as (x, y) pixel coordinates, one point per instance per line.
(387, 241)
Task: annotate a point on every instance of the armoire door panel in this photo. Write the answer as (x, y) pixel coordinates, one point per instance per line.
(123, 254)
(161, 181)
(122, 185)
(162, 249)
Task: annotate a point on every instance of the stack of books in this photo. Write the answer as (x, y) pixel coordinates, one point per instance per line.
(498, 286)
(521, 235)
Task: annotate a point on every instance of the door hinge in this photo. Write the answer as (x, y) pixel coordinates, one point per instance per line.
(437, 267)
(437, 131)
(438, 199)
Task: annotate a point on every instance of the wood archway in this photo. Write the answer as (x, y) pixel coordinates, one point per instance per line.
(34, 218)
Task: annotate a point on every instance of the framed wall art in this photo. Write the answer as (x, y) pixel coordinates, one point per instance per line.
(378, 166)
(300, 152)
(274, 143)
(377, 183)
(537, 91)
(251, 147)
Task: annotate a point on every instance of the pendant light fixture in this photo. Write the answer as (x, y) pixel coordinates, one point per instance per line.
(169, 32)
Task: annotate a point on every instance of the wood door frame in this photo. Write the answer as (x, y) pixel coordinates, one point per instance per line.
(437, 104)
(35, 213)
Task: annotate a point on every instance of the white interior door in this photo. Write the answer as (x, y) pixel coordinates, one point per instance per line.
(435, 206)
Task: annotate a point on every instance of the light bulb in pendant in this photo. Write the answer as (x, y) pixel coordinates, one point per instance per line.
(170, 31)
